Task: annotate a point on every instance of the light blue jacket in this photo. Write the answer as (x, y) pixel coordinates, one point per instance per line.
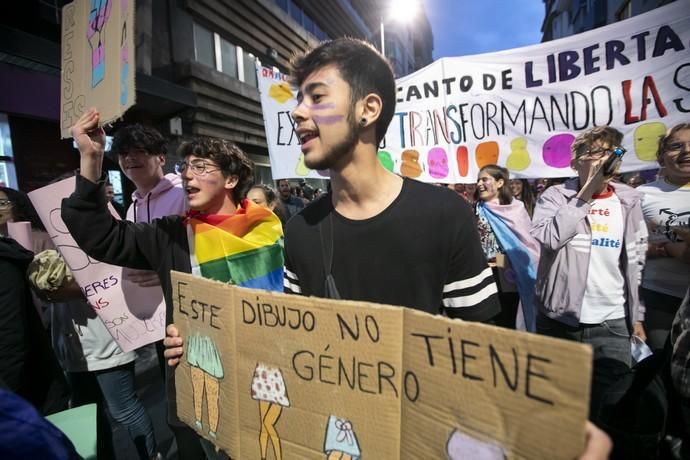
(560, 219)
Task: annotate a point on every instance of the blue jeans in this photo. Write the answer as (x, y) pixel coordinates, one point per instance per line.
(116, 388)
(610, 343)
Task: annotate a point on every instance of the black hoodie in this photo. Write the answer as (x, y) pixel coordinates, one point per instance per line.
(14, 304)
(29, 367)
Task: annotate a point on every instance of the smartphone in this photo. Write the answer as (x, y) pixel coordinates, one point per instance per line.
(613, 161)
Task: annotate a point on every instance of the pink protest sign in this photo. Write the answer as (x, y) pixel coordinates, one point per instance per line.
(134, 316)
(21, 233)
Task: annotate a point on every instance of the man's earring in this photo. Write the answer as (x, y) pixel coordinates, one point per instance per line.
(362, 122)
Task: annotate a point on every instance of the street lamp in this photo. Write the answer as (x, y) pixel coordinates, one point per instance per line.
(405, 10)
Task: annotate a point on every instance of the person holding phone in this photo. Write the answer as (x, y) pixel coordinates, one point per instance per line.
(593, 241)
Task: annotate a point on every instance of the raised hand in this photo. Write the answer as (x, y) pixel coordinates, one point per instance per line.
(90, 139)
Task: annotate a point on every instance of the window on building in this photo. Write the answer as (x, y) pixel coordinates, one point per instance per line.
(250, 69)
(228, 58)
(295, 12)
(309, 24)
(8, 174)
(625, 11)
(204, 50)
(283, 4)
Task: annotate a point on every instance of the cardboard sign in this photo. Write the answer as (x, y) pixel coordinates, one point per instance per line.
(98, 62)
(134, 315)
(520, 108)
(269, 374)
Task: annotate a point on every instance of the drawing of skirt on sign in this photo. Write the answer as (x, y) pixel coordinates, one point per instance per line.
(341, 442)
(207, 371)
(268, 387)
(462, 446)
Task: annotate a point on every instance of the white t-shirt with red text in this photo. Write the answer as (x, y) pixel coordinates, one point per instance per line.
(604, 294)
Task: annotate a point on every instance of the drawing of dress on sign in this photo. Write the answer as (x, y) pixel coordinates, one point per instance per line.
(462, 446)
(341, 442)
(268, 387)
(206, 371)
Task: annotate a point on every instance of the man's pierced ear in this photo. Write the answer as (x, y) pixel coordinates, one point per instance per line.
(363, 122)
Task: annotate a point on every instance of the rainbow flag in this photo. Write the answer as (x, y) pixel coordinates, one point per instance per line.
(242, 249)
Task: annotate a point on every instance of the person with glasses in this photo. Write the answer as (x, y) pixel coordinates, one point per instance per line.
(593, 242)
(223, 228)
(666, 207)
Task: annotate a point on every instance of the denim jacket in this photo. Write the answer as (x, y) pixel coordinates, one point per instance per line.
(560, 218)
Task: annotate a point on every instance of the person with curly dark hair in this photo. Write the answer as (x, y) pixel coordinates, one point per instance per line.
(216, 175)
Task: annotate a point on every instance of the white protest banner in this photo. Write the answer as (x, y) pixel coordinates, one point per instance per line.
(277, 102)
(522, 108)
(98, 62)
(134, 316)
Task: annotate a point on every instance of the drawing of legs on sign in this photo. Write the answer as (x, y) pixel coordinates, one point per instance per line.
(341, 442)
(206, 373)
(462, 446)
(95, 33)
(268, 387)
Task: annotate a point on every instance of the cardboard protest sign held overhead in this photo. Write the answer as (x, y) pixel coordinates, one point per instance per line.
(270, 375)
(98, 63)
(519, 108)
(134, 315)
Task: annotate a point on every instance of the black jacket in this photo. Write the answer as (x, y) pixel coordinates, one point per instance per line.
(160, 245)
(29, 366)
(15, 302)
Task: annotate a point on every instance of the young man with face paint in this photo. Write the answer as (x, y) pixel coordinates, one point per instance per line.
(376, 236)
(593, 242)
(216, 175)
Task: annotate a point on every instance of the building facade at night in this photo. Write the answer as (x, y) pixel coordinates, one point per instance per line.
(195, 63)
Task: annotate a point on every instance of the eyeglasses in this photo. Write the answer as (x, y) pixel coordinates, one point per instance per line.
(678, 146)
(601, 153)
(198, 167)
(4, 204)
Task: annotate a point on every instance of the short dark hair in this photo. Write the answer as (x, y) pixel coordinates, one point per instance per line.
(498, 173)
(360, 65)
(586, 138)
(22, 208)
(231, 160)
(138, 136)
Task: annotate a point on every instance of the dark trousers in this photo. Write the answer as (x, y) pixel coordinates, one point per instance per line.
(116, 388)
(659, 314)
(610, 343)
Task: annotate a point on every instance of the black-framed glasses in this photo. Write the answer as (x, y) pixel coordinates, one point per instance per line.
(198, 167)
(601, 153)
(5, 203)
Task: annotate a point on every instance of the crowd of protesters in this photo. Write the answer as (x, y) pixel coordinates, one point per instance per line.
(600, 258)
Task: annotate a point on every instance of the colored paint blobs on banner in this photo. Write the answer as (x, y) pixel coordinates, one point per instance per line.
(556, 150)
(301, 169)
(463, 158)
(281, 92)
(518, 160)
(646, 140)
(410, 164)
(438, 163)
(486, 153)
(386, 160)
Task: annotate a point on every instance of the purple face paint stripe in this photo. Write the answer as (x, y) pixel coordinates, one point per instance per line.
(329, 105)
(327, 119)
